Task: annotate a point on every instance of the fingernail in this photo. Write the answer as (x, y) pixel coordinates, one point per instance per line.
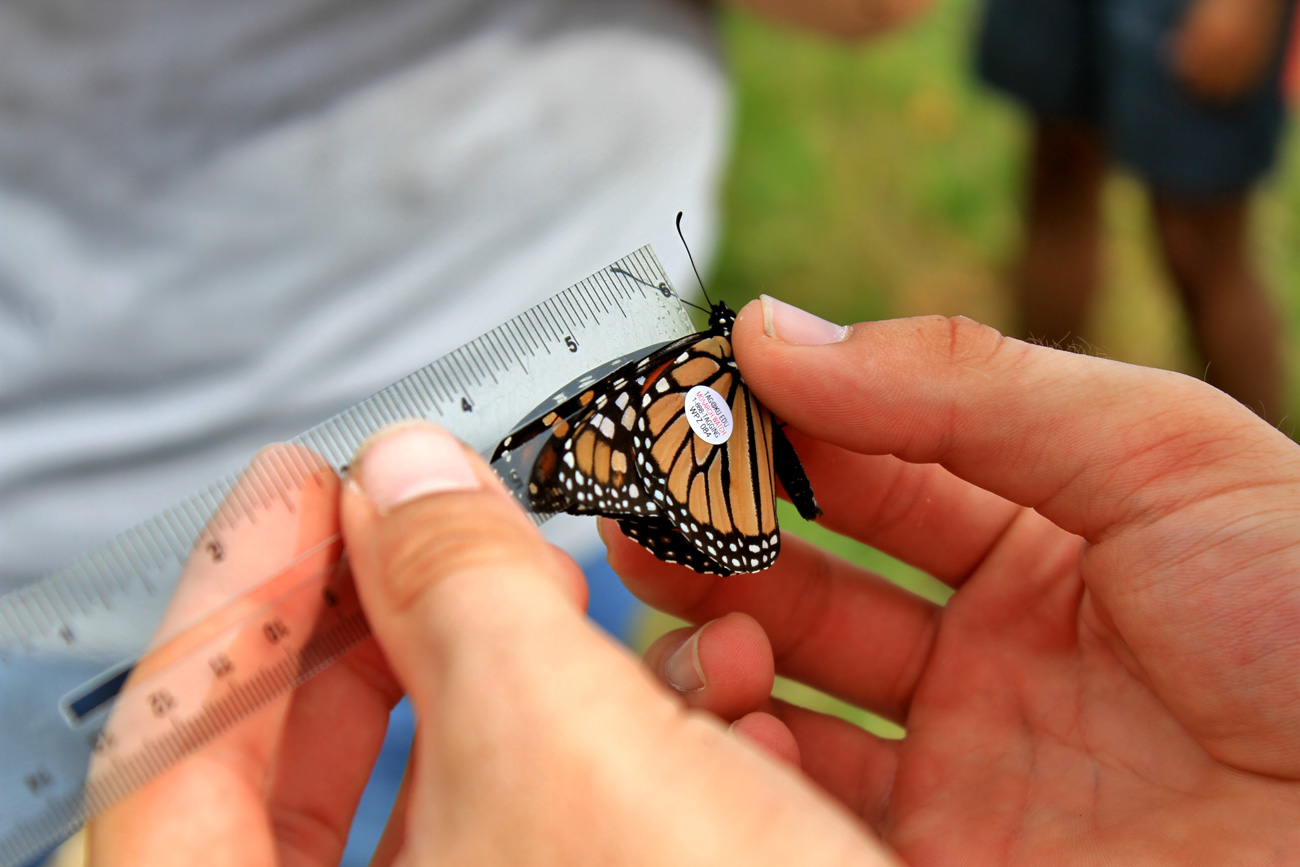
(399, 464)
(683, 669)
(788, 323)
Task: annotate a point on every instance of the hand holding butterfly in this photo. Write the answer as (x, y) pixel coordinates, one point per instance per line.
(1114, 679)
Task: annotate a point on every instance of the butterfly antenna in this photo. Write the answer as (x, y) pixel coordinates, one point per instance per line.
(692, 258)
(662, 287)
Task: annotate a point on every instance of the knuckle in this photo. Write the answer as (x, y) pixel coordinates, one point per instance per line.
(968, 340)
(961, 341)
(469, 534)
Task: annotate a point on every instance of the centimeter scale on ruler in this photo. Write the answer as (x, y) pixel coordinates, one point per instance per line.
(76, 734)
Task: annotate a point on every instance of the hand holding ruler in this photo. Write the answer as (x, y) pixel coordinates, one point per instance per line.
(103, 685)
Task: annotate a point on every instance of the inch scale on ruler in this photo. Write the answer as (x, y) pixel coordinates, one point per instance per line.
(108, 676)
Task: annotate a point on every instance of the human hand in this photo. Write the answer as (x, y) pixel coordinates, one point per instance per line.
(539, 740)
(1224, 48)
(1114, 680)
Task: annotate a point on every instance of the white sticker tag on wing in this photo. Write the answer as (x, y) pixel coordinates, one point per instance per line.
(709, 415)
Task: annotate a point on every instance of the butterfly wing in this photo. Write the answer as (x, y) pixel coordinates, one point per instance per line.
(625, 448)
(586, 466)
(721, 497)
(661, 537)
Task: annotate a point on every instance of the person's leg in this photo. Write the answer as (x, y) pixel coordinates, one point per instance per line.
(1233, 322)
(1056, 277)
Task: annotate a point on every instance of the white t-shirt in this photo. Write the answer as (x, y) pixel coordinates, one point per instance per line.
(221, 223)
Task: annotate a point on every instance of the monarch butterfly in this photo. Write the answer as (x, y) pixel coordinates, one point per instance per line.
(649, 445)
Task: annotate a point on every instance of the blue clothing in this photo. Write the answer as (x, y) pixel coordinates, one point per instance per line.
(1109, 63)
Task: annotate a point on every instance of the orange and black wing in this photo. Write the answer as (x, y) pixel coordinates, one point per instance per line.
(721, 497)
(626, 448)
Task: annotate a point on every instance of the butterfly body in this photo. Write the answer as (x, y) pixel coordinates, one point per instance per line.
(677, 448)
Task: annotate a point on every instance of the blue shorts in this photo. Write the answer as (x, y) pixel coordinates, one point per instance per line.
(1109, 63)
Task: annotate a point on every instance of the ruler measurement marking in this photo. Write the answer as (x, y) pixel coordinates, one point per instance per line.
(572, 318)
(504, 356)
(642, 269)
(150, 541)
(350, 434)
(428, 377)
(588, 311)
(59, 599)
(618, 305)
(282, 481)
(464, 368)
(463, 373)
(418, 395)
(520, 342)
(444, 381)
(139, 547)
(527, 326)
(553, 321)
(61, 604)
(386, 407)
(454, 379)
(14, 628)
(603, 293)
(92, 581)
(574, 315)
(185, 526)
(648, 267)
(489, 366)
(590, 307)
(468, 367)
(539, 328)
(413, 399)
(553, 313)
(48, 617)
(480, 365)
(609, 283)
(507, 348)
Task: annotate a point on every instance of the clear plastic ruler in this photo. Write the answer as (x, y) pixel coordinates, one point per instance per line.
(96, 698)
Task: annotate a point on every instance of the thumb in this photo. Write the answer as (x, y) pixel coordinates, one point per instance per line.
(441, 551)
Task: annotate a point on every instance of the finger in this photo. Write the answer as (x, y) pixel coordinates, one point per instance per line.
(724, 667)
(1003, 414)
(769, 734)
(264, 541)
(831, 625)
(854, 766)
(901, 508)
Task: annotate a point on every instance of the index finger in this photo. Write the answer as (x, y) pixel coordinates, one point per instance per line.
(1090, 443)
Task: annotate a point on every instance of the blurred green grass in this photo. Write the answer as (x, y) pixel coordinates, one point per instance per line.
(879, 179)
